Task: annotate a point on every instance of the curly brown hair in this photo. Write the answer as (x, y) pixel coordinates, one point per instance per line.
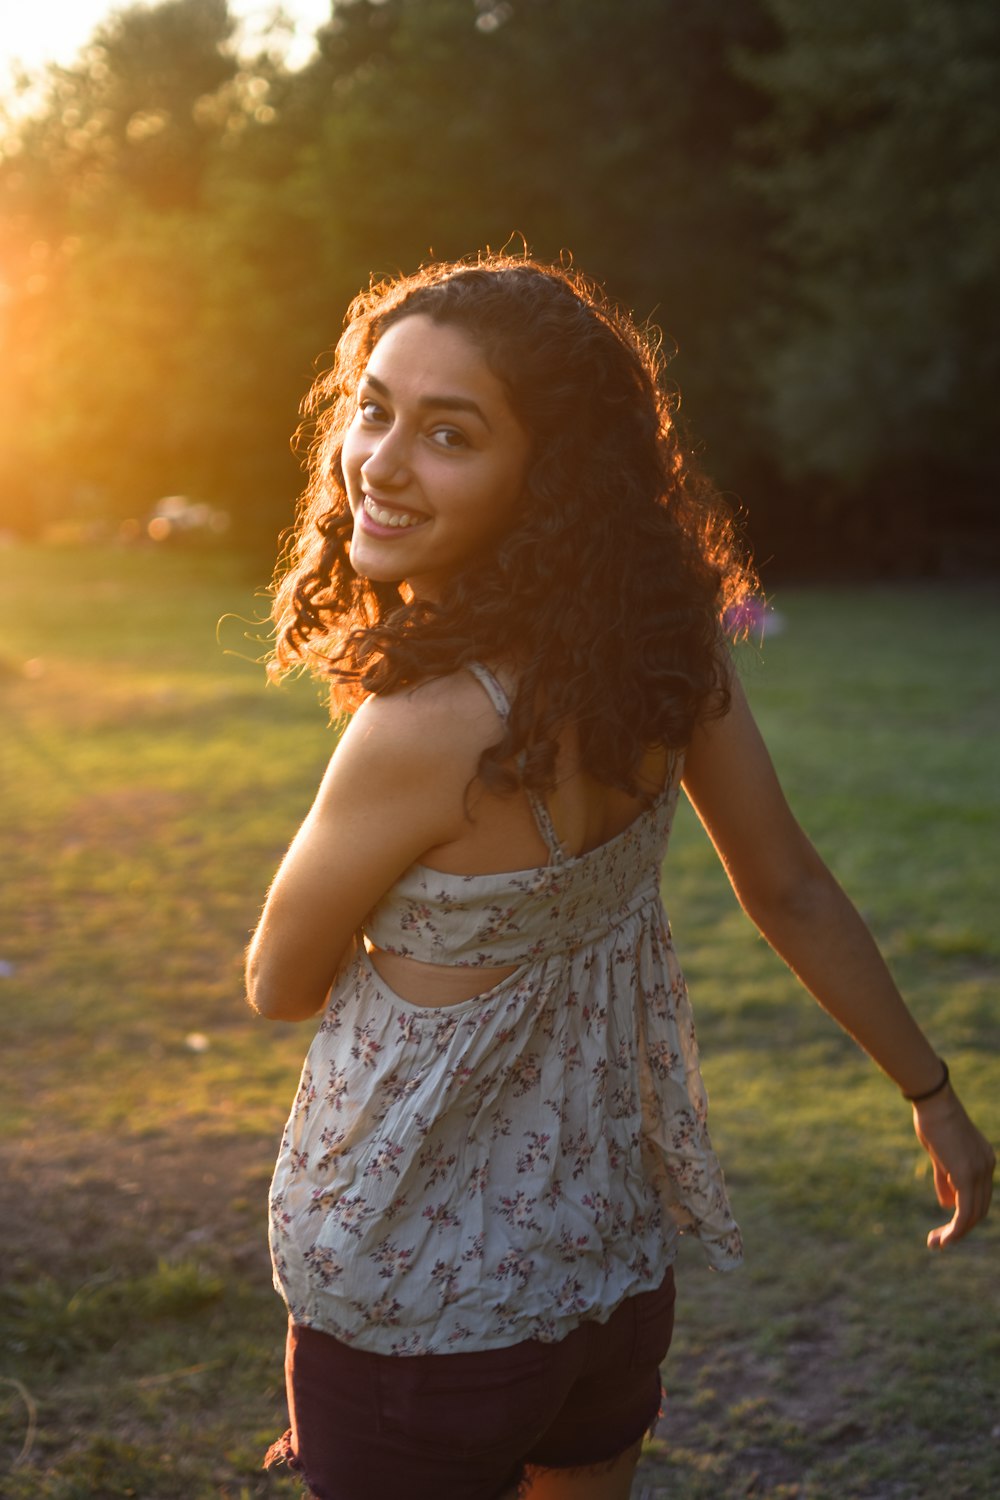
(606, 594)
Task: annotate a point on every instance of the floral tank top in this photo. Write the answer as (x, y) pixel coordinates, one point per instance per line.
(472, 1175)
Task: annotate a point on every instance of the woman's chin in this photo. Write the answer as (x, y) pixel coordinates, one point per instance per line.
(375, 569)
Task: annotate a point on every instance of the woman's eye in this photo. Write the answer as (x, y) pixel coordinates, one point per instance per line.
(371, 411)
(449, 437)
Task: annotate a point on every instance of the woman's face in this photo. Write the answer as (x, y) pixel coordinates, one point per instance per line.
(434, 459)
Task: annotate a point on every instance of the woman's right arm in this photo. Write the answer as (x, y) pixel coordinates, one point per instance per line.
(393, 789)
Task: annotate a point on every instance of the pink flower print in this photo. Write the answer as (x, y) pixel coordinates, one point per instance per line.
(498, 922)
(570, 1297)
(433, 1156)
(441, 1216)
(658, 1002)
(560, 1108)
(641, 1266)
(459, 1334)
(553, 1194)
(600, 1205)
(421, 1124)
(580, 1149)
(460, 1074)
(350, 1212)
(517, 1210)
(413, 916)
(476, 1248)
(644, 1223)
(481, 1093)
(623, 1102)
(593, 1017)
(395, 1208)
(534, 1152)
(332, 1140)
(662, 1058)
(336, 1089)
(517, 1266)
(391, 1258)
(298, 1161)
(569, 1054)
(365, 1049)
(408, 1024)
(500, 1124)
(570, 1248)
(381, 1314)
(384, 1160)
(478, 1178)
(333, 1020)
(323, 1264)
(444, 1031)
(525, 1074)
(445, 1277)
(306, 1096)
(544, 1330)
(317, 1201)
(622, 1058)
(397, 1088)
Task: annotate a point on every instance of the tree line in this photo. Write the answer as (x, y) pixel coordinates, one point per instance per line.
(803, 197)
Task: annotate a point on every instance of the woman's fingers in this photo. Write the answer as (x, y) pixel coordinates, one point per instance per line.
(963, 1163)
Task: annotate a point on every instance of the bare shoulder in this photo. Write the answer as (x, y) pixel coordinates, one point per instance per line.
(442, 724)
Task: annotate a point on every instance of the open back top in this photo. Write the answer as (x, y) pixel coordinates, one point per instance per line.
(503, 1168)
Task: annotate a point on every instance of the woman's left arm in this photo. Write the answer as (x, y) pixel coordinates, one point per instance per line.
(798, 906)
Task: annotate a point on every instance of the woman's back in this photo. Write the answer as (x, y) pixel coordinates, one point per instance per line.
(501, 1124)
(507, 832)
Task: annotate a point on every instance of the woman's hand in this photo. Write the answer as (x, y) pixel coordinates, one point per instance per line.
(963, 1162)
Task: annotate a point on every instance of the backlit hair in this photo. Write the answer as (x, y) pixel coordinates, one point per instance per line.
(607, 592)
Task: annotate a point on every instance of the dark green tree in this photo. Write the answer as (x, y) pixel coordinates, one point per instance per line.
(879, 358)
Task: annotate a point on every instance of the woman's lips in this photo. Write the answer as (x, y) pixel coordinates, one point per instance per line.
(388, 520)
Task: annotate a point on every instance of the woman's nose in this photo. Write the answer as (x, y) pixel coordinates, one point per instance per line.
(388, 463)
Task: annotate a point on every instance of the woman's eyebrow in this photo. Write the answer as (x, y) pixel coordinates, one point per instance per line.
(449, 403)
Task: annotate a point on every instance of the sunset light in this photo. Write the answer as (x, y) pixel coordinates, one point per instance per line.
(499, 556)
(55, 30)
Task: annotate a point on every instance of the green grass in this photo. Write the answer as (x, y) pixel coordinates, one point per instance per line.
(150, 782)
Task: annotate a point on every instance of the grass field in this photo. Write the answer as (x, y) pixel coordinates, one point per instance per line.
(150, 782)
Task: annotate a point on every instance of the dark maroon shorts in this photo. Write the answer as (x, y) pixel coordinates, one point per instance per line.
(366, 1426)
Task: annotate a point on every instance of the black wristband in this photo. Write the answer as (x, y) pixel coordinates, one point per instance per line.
(919, 1098)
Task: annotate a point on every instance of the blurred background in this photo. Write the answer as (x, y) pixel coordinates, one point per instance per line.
(803, 197)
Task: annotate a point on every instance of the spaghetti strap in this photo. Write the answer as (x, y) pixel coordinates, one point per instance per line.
(498, 697)
(546, 827)
(492, 687)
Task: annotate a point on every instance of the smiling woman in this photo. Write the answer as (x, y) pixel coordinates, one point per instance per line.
(434, 459)
(504, 566)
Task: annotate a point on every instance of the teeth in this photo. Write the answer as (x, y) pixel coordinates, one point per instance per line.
(390, 517)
